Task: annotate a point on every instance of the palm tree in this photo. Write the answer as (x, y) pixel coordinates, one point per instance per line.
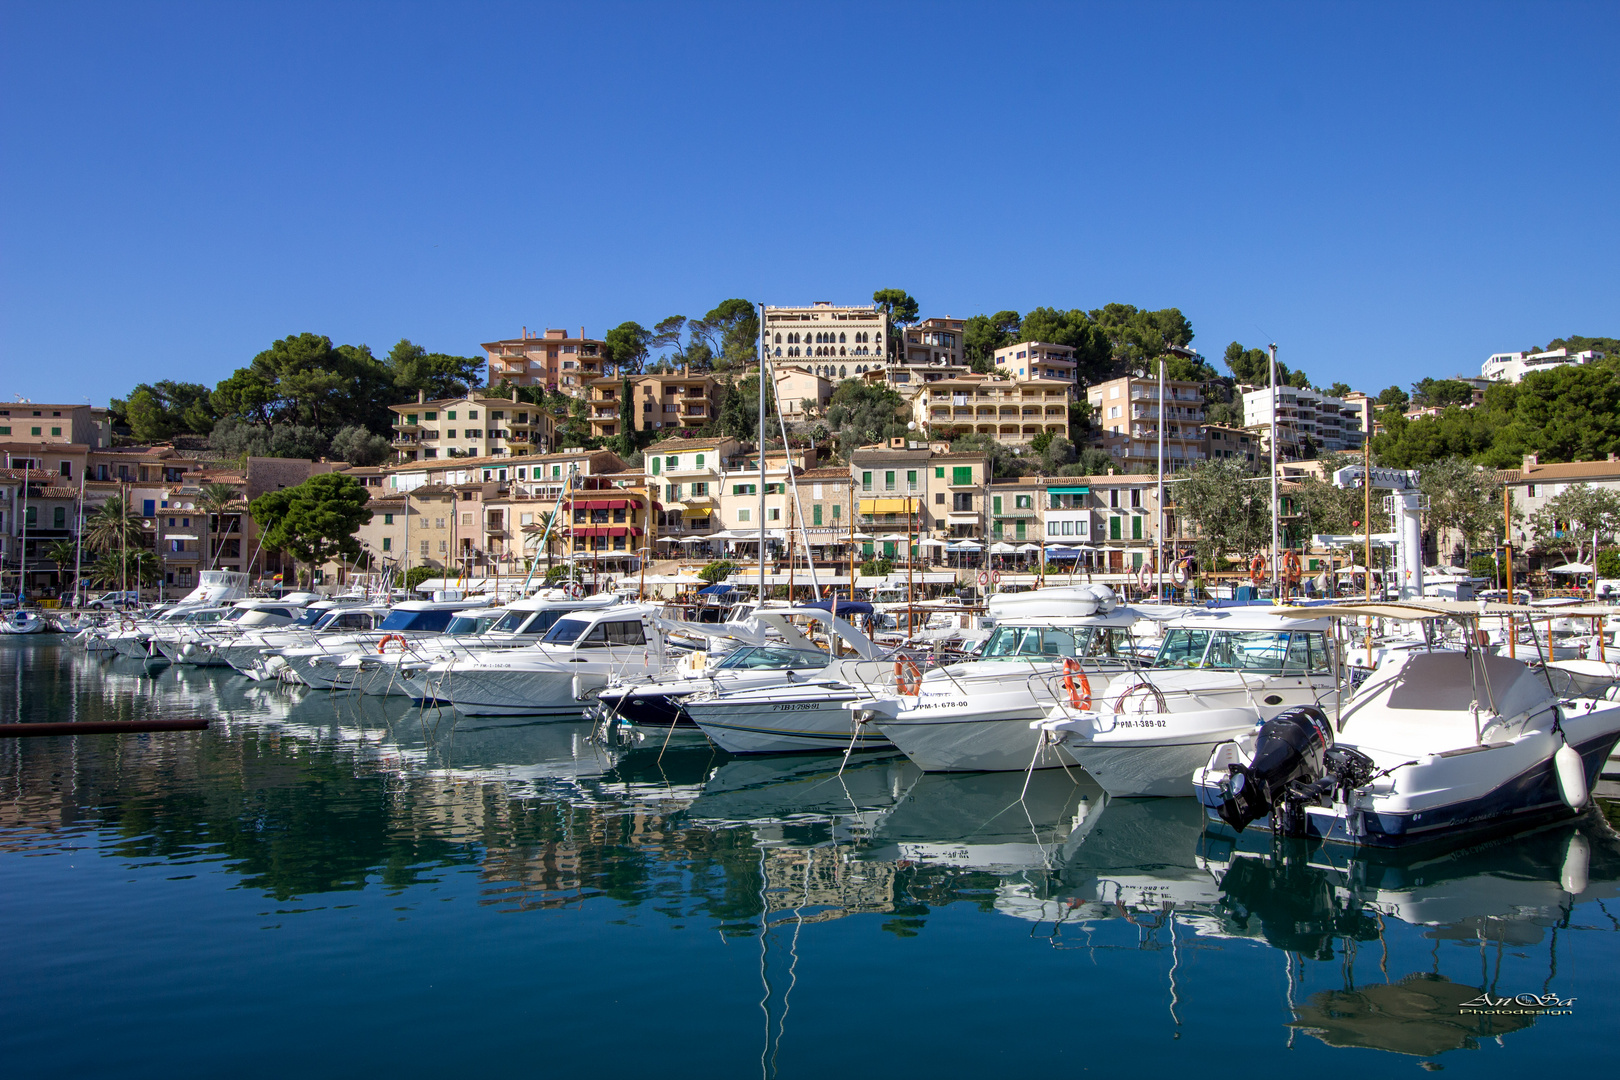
(214, 499)
(113, 525)
(112, 569)
(63, 553)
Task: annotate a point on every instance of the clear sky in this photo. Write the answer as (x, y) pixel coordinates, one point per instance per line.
(1385, 190)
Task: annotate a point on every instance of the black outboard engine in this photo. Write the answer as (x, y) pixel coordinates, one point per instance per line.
(1289, 754)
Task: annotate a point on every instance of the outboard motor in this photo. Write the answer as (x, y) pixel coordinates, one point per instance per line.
(1290, 751)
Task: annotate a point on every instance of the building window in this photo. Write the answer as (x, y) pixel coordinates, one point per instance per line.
(773, 514)
(962, 474)
(33, 431)
(388, 543)
(424, 549)
(451, 415)
(431, 416)
(59, 518)
(388, 519)
(56, 431)
(866, 481)
(815, 514)
(742, 515)
(1114, 532)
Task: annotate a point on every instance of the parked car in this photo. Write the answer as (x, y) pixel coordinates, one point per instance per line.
(115, 600)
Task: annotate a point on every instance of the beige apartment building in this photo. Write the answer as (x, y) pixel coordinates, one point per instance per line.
(797, 385)
(672, 402)
(935, 342)
(1026, 360)
(470, 427)
(552, 359)
(1128, 411)
(1009, 411)
(1229, 442)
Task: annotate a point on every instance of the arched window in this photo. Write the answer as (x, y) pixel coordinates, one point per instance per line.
(841, 371)
(843, 352)
(779, 341)
(779, 350)
(842, 339)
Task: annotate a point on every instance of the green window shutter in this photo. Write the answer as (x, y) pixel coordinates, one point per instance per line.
(962, 474)
(410, 418)
(655, 466)
(888, 479)
(673, 461)
(837, 511)
(1113, 528)
(388, 519)
(911, 476)
(700, 460)
(1136, 528)
(866, 481)
(997, 509)
(1019, 528)
(939, 472)
(815, 514)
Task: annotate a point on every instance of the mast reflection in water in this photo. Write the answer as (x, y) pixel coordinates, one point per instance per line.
(327, 882)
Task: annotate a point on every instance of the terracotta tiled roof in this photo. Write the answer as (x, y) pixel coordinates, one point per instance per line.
(1570, 470)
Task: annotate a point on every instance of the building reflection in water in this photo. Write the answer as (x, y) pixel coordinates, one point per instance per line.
(301, 793)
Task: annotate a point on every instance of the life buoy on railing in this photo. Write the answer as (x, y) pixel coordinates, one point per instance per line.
(575, 590)
(1180, 573)
(1257, 569)
(1079, 691)
(1144, 575)
(1291, 569)
(382, 643)
(907, 677)
(995, 577)
(984, 577)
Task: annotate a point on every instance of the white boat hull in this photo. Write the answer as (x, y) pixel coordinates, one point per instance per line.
(774, 725)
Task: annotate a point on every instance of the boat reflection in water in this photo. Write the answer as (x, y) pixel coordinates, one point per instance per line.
(831, 877)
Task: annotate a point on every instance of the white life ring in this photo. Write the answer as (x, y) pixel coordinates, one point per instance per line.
(575, 590)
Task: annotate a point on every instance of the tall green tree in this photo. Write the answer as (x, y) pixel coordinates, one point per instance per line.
(436, 375)
(860, 413)
(899, 309)
(157, 411)
(982, 335)
(730, 332)
(1228, 506)
(1465, 498)
(627, 346)
(315, 521)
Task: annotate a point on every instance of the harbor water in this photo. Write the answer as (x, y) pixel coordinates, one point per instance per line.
(324, 884)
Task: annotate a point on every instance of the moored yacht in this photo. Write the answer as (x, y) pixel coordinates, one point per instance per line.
(1217, 674)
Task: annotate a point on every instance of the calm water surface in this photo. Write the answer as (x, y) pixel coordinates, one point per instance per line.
(321, 884)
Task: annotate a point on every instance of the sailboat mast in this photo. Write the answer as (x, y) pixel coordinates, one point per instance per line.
(1158, 555)
(760, 440)
(1275, 583)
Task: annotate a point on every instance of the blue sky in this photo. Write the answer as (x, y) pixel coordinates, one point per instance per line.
(1386, 191)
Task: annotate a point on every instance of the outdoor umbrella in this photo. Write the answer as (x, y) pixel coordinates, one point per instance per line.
(930, 542)
(963, 545)
(692, 540)
(1026, 548)
(1571, 568)
(1002, 549)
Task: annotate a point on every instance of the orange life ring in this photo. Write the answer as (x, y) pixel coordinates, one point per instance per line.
(1079, 695)
(1291, 569)
(995, 577)
(1257, 569)
(382, 643)
(907, 677)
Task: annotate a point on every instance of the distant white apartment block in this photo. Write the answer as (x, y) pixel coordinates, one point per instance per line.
(830, 341)
(1514, 366)
(1332, 424)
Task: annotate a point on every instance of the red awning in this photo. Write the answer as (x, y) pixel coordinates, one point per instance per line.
(603, 504)
(606, 530)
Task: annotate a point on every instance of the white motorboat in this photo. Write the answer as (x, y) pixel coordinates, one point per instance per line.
(133, 638)
(766, 650)
(1216, 675)
(557, 676)
(1432, 747)
(976, 715)
(403, 672)
(246, 652)
(199, 644)
(320, 663)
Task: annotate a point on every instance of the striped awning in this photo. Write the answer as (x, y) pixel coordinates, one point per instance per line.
(607, 530)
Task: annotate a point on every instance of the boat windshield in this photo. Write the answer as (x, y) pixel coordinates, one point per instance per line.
(432, 621)
(315, 616)
(565, 632)
(773, 658)
(206, 616)
(1036, 642)
(1263, 652)
(471, 624)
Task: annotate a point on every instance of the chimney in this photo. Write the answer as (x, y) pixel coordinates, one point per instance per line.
(525, 333)
(1530, 461)
(421, 396)
(514, 395)
(582, 333)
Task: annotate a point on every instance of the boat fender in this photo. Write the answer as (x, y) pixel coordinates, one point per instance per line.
(576, 689)
(1571, 773)
(188, 649)
(1577, 860)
